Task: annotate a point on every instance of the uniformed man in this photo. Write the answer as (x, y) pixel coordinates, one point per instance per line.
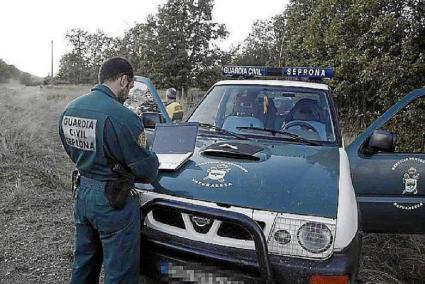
(107, 143)
(174, 109)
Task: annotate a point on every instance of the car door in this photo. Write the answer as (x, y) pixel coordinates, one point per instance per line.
(145, 101)
(390, 181)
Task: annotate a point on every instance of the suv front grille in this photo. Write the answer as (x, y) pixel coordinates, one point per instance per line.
(203, 225)
(234, 231)
(280, 229)
(169, 217)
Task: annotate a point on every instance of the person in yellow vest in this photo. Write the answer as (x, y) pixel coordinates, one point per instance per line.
(174, 109)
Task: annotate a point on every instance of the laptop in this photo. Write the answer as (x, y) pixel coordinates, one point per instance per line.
(174, 144)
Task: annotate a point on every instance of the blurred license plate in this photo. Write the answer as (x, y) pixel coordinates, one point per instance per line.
(170, 271)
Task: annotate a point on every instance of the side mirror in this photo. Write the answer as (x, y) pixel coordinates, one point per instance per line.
(150, 119)
(380, 141)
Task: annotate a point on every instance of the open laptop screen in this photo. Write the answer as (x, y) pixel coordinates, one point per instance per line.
(175, 138)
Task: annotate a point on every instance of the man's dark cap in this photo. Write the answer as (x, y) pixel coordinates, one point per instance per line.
(113, 68)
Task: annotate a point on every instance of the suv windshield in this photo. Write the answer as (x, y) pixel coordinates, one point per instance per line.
(300, 111)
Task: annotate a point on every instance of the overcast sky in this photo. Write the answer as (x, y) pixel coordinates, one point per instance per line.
(28, 26)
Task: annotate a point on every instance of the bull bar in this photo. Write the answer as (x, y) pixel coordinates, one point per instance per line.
(244, 221)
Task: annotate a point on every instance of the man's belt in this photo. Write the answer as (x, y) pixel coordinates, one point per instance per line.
(118, 191)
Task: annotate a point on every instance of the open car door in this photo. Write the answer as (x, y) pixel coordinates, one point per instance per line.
(388, 168)
(145, 101)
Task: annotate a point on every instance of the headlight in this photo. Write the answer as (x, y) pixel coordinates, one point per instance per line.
(315, 237)
(296, 236)
(282, 237)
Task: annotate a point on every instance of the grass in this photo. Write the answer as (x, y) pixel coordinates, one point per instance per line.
(36, 206)
(36, 215)
(393, 259)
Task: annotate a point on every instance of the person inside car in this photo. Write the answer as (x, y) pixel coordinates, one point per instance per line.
(305, 119)
(246, 111)
(268, 112)
(246, 105)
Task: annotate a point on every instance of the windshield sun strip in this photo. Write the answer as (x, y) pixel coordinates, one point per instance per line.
(289, 134)
(222, 131)
(251, 136)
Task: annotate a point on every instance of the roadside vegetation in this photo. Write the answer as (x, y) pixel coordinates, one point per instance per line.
(10, 72)
(377, 49)
(36, 221)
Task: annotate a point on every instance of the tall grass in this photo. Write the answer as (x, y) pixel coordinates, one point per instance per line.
(29, 150)
(36, 228)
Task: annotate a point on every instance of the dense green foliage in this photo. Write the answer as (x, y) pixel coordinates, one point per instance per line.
(8, 72)
(376, 47)
(181, 35)
(88, 51)
(264, 45)
(175, 47)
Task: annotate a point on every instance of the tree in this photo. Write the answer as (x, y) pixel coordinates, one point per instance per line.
(183, 36)
(138, 46)
(175, 48)
(81, 65)
(376, 48)
(8, 72)
(72, 69)
(264, 44)
(4, 71)
(26, 79)
(73, 65)
(99, 48)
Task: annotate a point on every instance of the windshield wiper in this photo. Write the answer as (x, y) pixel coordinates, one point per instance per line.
(293, 137)
(221, 130)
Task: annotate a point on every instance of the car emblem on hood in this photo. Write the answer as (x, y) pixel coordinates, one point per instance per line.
(215, 174)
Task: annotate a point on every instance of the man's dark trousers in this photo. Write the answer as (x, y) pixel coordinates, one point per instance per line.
(99, 226)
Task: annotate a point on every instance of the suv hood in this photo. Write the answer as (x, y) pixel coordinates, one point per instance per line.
(293, 178)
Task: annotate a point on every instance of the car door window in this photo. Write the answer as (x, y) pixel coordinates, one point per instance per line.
(408, 124)
(390, 186)
(140, 99)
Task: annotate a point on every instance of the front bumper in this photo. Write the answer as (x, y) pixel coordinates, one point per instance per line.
(171, 258)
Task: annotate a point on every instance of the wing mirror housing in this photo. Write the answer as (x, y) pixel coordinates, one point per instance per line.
(380, 141)
(150, 119)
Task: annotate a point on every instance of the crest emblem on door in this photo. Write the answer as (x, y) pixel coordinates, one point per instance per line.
(410, 180)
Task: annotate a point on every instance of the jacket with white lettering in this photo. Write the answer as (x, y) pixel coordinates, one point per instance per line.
(98, 132)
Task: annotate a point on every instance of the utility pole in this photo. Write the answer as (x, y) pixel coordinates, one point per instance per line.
(51, 69)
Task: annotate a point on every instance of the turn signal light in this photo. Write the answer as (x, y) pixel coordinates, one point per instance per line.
(323, 279)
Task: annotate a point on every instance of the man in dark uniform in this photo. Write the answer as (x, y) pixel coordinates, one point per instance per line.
(100, 135)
